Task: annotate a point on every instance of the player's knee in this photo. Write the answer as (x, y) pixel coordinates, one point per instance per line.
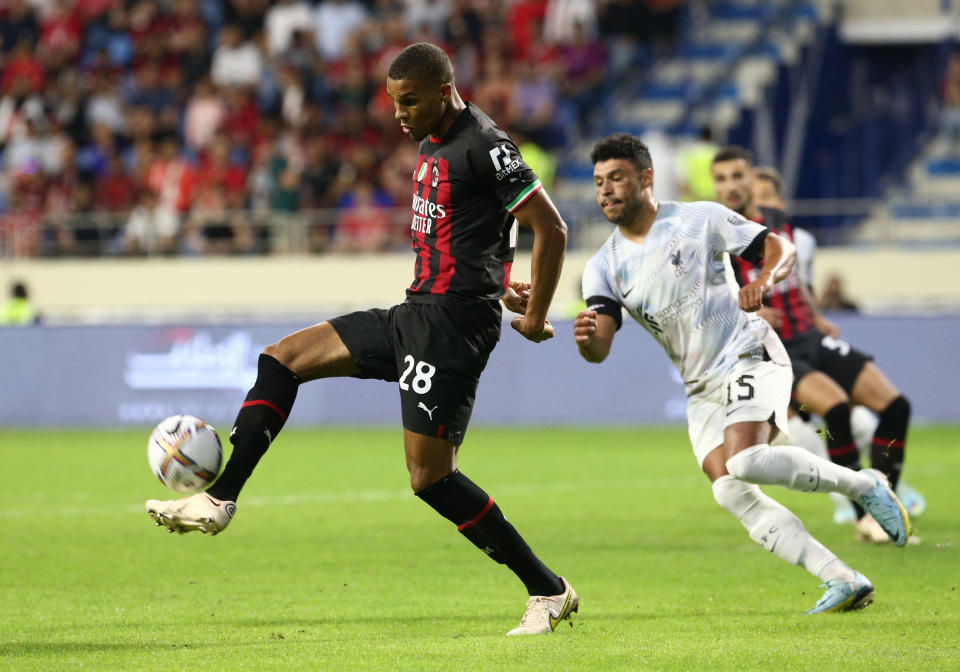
(748, 464)
(898, 411)
(422, 478)
(735, 495)
(275, 352)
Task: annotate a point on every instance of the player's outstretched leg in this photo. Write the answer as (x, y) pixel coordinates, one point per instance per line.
(779, 531)
(479, 519)
(798, 469)
(260, 419)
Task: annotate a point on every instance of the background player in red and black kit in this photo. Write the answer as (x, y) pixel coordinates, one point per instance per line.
(470, 188)
(827, 372)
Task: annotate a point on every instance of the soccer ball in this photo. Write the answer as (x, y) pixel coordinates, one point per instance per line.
(185, 453)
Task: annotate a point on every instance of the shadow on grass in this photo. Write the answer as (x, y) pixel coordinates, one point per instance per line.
(366, 620)
(54, 648)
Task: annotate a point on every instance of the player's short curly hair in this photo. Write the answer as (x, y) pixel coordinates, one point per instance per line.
(422, 61)
(622, 146)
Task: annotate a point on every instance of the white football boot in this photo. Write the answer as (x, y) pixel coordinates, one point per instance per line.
(544, 612)
(197, 512)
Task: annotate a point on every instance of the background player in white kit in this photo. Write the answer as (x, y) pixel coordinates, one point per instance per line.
(664, 263)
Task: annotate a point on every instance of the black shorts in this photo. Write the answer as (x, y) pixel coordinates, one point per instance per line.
(815, 351)
(435, 352)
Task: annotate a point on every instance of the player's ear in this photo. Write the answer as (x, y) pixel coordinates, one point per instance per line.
(646, 178)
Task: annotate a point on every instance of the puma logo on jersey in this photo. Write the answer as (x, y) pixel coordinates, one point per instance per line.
(428, 410)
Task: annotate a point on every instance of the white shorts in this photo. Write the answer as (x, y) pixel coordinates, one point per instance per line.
(752, 391)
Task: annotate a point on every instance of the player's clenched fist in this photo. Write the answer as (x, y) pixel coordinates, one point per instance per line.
(517, 297)
(585, 326)
(751, 294)
(532, 331)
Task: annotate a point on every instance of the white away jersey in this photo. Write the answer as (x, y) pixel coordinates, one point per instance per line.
(675, 285)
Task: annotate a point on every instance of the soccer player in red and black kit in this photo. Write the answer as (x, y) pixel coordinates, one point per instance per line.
(470, 189)
(828, 374)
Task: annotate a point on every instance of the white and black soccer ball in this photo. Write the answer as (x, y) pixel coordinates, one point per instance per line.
(185, 453)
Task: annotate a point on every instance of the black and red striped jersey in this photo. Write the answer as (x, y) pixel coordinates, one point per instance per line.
(466, 187)
(787, 295)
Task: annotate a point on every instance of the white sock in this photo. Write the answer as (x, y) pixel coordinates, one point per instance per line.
(797, 469)
(777, 529)
(804, 434)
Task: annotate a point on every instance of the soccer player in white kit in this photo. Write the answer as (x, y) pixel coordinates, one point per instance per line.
(664, 263)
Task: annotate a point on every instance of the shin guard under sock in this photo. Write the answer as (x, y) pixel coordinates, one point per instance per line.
(260, 419)
(479, 519)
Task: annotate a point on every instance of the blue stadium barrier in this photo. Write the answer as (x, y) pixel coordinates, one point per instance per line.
(134, 376)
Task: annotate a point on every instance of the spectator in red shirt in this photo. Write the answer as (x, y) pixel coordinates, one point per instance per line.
(242, 119)
(363, 224)
(524, 19)
(218, 171)
(61, 34)
(23, 65)
(115, 191)
(171, 177)
(19, 229)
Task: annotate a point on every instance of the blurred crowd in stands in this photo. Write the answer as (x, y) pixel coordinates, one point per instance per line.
(218, 126)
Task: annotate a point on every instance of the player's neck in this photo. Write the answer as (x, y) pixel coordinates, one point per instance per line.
(638, 229)
(454, 108)
(752, 212)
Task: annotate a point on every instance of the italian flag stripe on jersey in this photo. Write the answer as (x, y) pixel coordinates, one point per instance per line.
(524, 195)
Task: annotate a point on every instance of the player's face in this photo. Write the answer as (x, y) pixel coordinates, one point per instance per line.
(620, 187)
(418, 105)
(733, 182)
(765, 194)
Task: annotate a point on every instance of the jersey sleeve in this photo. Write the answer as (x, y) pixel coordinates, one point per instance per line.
(741, 237)
(806, 251)
(597, 291)
(497, 163)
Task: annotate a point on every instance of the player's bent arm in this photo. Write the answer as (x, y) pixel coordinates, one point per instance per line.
(594, 334)
(779, 256)
(549, 243)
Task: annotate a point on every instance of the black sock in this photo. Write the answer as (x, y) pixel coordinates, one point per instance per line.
(840, 444)
(260, 419)
(479, 519)
(886, 451)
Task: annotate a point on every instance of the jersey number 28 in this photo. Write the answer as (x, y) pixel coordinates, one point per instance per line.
(421, 380)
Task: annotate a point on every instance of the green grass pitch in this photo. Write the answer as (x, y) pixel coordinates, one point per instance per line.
(332, 564)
